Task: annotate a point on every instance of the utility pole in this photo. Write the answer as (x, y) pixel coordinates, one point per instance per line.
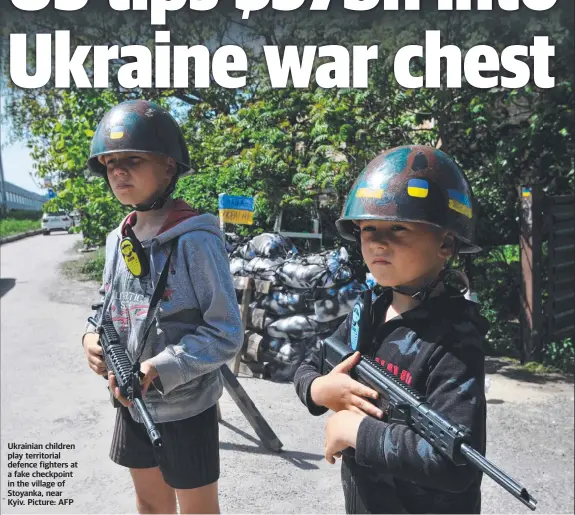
(3, 207)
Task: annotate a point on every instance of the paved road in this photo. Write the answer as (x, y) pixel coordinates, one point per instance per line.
(49, 395)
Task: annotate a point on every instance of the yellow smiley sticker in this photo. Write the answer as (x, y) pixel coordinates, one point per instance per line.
(131, 257)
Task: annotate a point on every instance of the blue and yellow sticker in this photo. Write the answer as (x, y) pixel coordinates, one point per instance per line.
(117, 132)
(417, 188)
(369, 193)
(460, 203)
(525, 192)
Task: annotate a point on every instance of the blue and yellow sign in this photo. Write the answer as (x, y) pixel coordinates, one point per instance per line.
(236, 209)
(417, 188)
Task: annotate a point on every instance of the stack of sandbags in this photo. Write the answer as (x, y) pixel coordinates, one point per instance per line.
(309, 298)
(233, 241)
(261, 257)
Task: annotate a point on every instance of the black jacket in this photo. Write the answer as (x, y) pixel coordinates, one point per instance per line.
(436, 348)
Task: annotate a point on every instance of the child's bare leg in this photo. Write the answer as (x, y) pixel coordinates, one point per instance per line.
(153, 495)
(199, 500)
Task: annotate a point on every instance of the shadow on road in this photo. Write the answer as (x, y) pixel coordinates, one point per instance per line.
(299, 459)
(6, 285)
(503, 367)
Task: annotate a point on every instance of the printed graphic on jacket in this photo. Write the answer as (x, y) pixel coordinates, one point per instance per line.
(130, 301)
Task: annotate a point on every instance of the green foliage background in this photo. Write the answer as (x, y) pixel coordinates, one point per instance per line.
(302, 148)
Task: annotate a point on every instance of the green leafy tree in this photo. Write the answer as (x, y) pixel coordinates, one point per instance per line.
(288, 147)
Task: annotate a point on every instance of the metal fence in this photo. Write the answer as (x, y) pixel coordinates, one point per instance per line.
(559, 226)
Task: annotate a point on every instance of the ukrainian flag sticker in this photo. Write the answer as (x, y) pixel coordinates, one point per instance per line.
(369, 193)
(460, 203)
(117, 132)
(417, 188)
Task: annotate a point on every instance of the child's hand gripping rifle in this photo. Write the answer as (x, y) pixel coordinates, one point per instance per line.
(127, 374)
(407, 407)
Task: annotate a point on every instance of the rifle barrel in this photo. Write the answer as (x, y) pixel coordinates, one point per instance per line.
(153, 433)
(500, 477)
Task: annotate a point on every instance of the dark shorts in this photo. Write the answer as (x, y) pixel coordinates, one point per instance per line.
(189, 457)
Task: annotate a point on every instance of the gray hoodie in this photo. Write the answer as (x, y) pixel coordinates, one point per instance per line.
(199, 326)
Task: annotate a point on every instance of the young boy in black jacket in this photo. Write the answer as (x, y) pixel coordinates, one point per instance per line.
(411, 211)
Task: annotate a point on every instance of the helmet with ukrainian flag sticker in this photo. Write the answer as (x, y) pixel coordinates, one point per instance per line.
(412, 183)
(138, 126)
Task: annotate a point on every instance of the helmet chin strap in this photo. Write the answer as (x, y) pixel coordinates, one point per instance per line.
(424, 293)
(160, 200)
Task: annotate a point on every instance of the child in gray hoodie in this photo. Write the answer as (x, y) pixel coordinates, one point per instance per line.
(139, 150)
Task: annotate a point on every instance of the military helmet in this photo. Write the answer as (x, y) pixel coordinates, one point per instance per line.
(412, 183)
(138, 126)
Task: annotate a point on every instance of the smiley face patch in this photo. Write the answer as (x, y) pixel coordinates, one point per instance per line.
(134, 257)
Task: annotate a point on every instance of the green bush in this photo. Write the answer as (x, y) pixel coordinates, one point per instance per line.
(21, 214)
(495, 275)
(561, 354)
(9, 226)
(99, 210)
(511, 253)
(93, 267)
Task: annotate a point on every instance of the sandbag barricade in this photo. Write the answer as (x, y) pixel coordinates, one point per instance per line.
(309, 297)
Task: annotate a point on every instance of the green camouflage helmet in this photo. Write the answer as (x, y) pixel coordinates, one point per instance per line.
(138, 126)
(412, 184)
